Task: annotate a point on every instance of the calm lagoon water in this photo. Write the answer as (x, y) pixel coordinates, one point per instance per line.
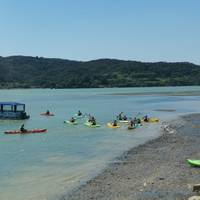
(47, 166)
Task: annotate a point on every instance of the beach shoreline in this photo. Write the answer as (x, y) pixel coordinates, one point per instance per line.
(154, 170)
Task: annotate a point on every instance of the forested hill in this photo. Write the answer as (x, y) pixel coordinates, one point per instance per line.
(36, 72)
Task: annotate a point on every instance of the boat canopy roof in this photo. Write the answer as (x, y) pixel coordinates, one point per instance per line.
(11, 104)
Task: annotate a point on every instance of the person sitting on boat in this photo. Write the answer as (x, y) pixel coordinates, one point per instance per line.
(120, 116)
(125, 117)
(132, 123)
(93, 121)
(115, 123)
(90, 118)
(22, 129)
(146, 119)
(72, 120)
(135, 120)
(47, 112)
(139, 121)
(79, 113)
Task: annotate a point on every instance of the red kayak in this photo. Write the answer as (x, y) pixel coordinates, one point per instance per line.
(26, 132)
(44, 114)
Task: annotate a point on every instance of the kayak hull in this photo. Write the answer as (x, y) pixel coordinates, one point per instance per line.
(48, 115)
(27, 132)
(151, 120)
(123, 121)
(71, 123)
(90, 125)
(79, 116)
(134, 127)
(195, 163)
(110, 125)
(131, 127)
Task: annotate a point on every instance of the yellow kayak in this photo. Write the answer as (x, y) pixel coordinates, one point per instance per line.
(110, 125)
(152, 120)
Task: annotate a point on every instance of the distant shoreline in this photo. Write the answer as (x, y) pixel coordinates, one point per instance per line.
(193, 93)
(38, 72)
(155, 170)
(114, 87)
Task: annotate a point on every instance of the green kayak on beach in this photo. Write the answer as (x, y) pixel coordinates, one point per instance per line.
(195, 163)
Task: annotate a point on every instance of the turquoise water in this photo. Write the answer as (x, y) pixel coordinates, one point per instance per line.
(47, 166)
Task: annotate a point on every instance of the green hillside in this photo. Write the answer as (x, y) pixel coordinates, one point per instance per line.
(34, 72)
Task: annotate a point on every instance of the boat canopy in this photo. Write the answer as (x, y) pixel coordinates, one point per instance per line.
(12, 106)
(12, 103)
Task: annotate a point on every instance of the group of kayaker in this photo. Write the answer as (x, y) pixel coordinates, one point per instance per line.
(91, 119)
(132, 122)
(121, 117)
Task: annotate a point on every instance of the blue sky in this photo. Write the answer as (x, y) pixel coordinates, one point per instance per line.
(144, 30)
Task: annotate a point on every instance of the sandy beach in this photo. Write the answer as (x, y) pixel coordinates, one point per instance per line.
(155, 170)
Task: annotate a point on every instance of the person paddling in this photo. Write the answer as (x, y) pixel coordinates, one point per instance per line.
(138, 121)
(93, 121)
(47, 112)
(120, 116)
(89, 118)
(79, 113)
(72, 120)
(146, 119)
(22, 129)
(115, 123)
(132, 123)
(125, 117)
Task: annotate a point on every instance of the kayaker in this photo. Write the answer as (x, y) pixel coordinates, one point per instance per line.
(93, 121)
(120, 116)
(79, 113)
(72, 120)
(114, 123)
(47, 112)
(146, 119)
(125, 117)
(132, 123)
(90, 118)
(135, 120)
(139, 121)
(22, 129)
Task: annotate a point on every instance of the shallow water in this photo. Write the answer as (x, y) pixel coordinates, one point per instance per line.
(46, 166)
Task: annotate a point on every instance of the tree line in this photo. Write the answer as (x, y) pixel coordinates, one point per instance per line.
(39, 72)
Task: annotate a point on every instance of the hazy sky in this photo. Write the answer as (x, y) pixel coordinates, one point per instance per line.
(145, 30)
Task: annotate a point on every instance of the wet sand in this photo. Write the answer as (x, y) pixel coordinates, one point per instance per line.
(155, 170)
